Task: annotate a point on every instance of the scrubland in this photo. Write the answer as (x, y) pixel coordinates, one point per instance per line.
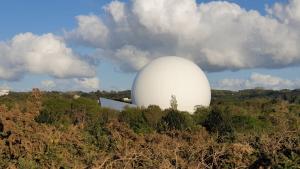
(246, 129)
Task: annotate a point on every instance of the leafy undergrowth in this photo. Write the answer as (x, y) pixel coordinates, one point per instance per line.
(38, 134)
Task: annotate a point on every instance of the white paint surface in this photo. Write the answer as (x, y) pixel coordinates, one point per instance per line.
(167, 76)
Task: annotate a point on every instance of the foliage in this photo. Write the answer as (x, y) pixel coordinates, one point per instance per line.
(98, 134)
(54, 110)
(176, 120)
(245, 129)
(244, 123)
(200, 115)
(153, 115)
(58, 109)
(136, 120)
(173, 102)
(27, 164)
(219, 121)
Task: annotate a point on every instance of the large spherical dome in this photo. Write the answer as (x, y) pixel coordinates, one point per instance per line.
(171, 76)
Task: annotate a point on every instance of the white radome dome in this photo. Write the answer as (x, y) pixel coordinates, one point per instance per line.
(166, 76)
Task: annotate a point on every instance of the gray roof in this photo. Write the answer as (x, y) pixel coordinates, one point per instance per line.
(117, 105)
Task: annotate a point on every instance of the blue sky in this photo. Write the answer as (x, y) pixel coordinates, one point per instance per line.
(53, 16)
(57, 16)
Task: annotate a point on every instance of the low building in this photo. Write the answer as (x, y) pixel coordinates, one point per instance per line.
(127, 100)
(112, 104)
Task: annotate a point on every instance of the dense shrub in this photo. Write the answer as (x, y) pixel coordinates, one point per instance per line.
(136, 119)
(55, 110)
(244, 123)
(106, 115)
(295, 109)
(59, 109)
(153, 115)
(219, 121)
(86, 105)
(14, 98)
(200, 115)
(245, 129)
(176, 120)
(98, 134)
(27, 164)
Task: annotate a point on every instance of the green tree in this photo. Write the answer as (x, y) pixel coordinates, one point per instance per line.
(153, 115)
(176, 120)
(136, 119)
(219, 121)
(173, 102)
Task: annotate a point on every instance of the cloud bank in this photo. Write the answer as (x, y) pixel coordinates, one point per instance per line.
(258, 80)
(218, 35)
(45, 54)
(75, 84)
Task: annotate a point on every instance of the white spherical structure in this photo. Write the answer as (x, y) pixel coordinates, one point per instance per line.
(166, 76)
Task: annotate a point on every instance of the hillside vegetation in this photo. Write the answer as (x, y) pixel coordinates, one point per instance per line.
(245, 129)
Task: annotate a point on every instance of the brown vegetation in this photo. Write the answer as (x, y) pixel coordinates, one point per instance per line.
(150, 140)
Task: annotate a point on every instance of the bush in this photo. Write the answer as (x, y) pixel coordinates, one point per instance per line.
(59, 109)
(153, 115)
(95, 127)
(107, 114)
(295, 109)
(54, 110)
(14, 98)
(99, 135)
(200, 115)
(136, 120)
(176, 120)
(90, 107)
(104, 142)
(27, 164)
(219, 121)
(244, 123)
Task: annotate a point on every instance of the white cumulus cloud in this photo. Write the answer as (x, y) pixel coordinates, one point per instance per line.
(117, 10)
(48, 84)
(91, 31)
(217, 35)
(88, 83)
(286, 13)
(44, 54)
(258, 80)
(74, 84)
